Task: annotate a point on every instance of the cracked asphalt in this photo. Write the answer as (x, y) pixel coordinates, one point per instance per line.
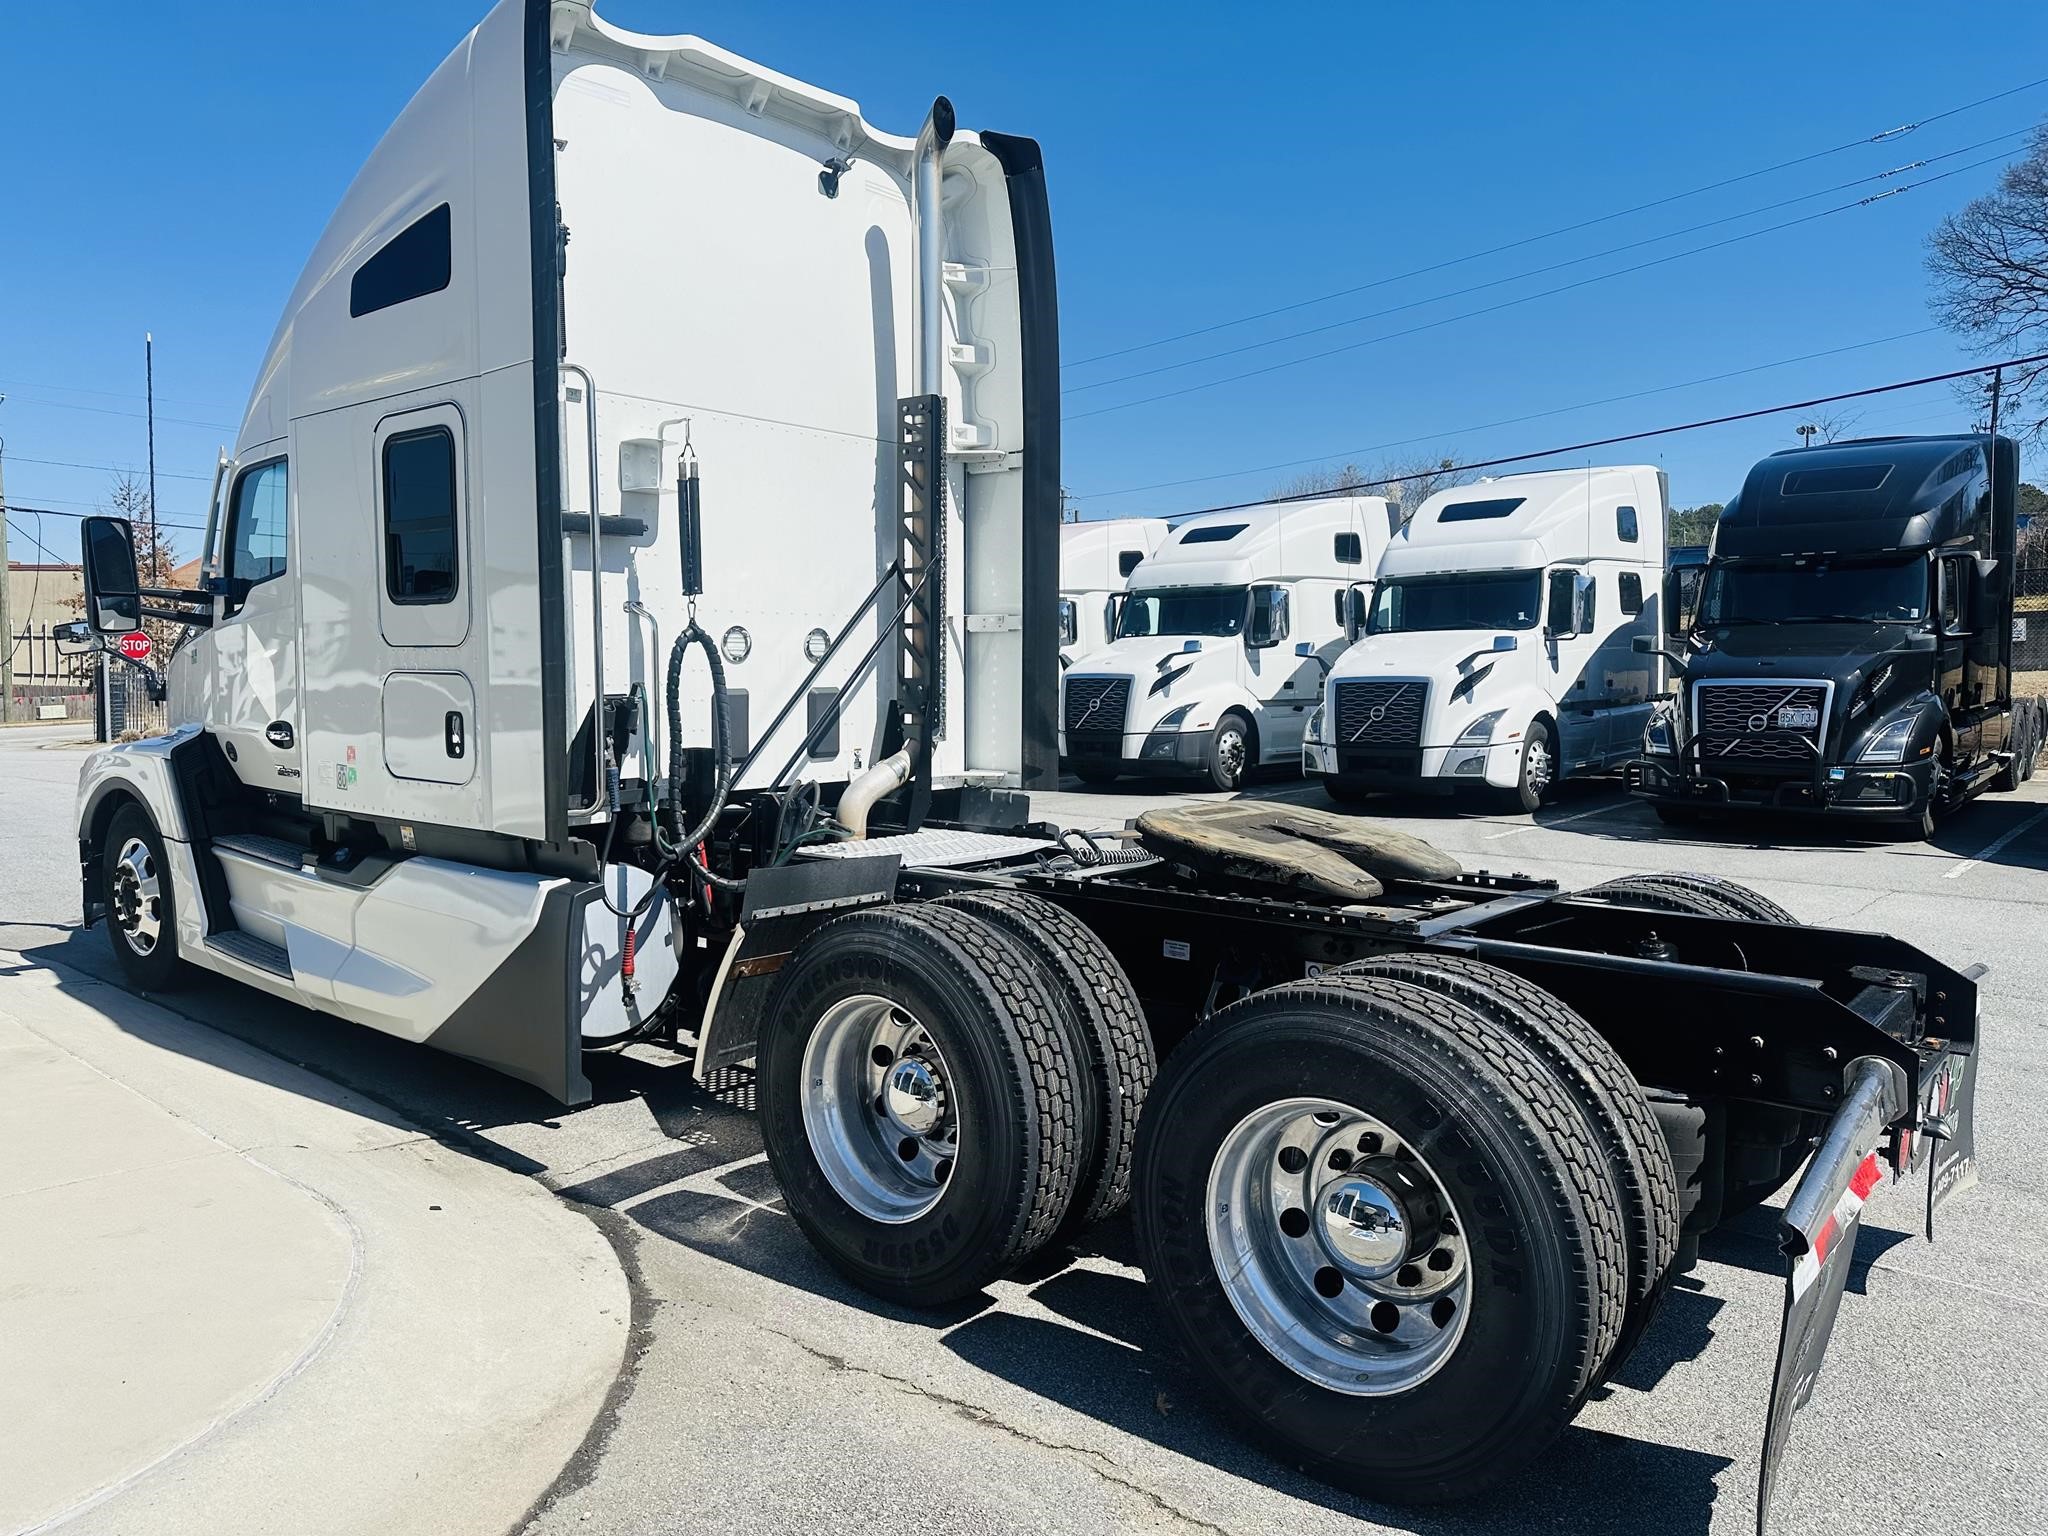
(763, 1394)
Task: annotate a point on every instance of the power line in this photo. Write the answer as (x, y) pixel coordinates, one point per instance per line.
(1506, 421)
(102, 410)
(1528, 298)
(1606, 218)
(107, 394)
(1636, 437)
(1559, 266)
(15, 506)
(117, 469)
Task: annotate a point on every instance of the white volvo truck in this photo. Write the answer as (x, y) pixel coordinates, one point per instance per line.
(1498, 647)
(1096, 559)
(1222, 638)
(629, 614)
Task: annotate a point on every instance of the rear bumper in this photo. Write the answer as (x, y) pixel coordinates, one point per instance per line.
(1876, 790)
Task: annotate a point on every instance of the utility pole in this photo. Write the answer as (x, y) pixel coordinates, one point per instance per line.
(6, 607)
(156, 577)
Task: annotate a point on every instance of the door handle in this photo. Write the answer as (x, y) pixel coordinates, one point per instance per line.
(451, 733)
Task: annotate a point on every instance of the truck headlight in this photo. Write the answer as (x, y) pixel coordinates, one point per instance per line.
(1162, 742)
(1889, 745)
(1480, 731)
(1660, 736)
(1315, 724)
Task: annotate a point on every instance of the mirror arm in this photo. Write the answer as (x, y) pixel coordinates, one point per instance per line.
(187, 617)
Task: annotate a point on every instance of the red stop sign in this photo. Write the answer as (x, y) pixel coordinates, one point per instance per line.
(135, 646)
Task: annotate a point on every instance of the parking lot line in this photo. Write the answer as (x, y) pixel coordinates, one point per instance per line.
(1978, 858)
(1562, 821)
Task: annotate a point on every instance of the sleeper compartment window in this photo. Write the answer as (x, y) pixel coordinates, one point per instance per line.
(419, 517)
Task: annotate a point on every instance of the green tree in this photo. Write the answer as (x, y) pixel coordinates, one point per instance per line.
(1692, 525)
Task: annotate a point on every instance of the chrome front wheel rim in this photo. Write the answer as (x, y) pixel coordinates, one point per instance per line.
(879, 1109)
(1230, 754)
(138, 897)
(1338, 1247)
(1539, 770)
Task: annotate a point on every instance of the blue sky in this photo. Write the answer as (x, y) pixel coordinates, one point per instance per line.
(167, 168)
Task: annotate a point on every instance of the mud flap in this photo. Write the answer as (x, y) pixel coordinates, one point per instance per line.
(1818, 1237)
(1948, 1130)
(783, 904)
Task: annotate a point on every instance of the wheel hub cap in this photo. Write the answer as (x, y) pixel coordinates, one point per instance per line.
(1364, 1227)
(1338, 1247)
(913, 1100)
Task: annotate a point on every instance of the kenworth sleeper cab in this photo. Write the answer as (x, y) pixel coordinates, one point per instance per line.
(629, 615)
(1497, 648)
(1852, 651)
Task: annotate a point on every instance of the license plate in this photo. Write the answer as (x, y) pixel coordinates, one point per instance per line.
(1794, 718)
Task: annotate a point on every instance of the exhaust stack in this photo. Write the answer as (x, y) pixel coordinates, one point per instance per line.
(927, 176)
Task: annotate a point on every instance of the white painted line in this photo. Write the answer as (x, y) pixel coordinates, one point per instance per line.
(1974, 860)
(1534, 826)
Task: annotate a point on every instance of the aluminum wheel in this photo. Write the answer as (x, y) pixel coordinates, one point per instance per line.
(138, 900)
(1539, 765)
(1337, 1247)
(879, 1109)
(1230, 753)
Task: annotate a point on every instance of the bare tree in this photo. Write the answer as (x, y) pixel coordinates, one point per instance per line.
(1410, 482)
(1989, 265)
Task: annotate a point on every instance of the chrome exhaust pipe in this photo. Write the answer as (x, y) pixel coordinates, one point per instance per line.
(927, 177)
(885, 778)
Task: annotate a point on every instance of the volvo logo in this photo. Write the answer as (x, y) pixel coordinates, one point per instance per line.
(1758, 722)
(1378, 712)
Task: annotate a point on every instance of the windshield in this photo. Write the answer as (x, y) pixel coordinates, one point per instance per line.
(1497, 600)
(1860, 592)
(1182, 611)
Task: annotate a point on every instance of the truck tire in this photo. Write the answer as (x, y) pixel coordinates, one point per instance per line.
(1538, 770)
(1095, 773)
(1230, 751)
(1110, 1039)
(1292, 1101)
(1667, 892)
(1345, 791)
(2030, 743)
(142, 910)
(919, 1185)
(1608, 1094)
(2014, 773)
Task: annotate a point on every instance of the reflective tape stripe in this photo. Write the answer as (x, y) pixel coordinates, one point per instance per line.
(1841, 1222)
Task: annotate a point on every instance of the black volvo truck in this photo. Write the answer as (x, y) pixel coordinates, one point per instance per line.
(1852, 649)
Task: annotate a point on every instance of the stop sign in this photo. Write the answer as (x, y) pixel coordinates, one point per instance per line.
(135, 646)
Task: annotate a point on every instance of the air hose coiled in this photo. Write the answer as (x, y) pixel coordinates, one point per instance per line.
(687, 843)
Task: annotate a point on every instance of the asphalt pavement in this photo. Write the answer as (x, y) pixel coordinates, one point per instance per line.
(762, 1394)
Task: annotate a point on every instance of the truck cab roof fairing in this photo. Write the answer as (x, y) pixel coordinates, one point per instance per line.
(1869, 496)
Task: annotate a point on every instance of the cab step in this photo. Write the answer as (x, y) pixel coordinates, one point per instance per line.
(238, 944)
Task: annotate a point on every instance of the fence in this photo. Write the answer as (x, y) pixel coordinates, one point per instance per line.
(47, 684)
(2030, 605)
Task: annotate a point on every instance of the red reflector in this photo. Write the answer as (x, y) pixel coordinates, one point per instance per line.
(1866, 1178)
(1824, 1239)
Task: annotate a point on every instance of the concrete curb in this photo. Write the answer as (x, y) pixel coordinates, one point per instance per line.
(278, 1305)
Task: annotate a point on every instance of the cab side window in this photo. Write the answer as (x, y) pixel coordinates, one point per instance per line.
(1631, 593)
(259, 524)
(419, 517)
(1953, 618)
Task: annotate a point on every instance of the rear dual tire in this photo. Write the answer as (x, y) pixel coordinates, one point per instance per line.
(1538, 1300)
(947, 1087)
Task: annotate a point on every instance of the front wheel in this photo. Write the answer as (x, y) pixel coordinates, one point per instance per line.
(1230, 751)
(1922, 827)
(142, 914)
(1539, 767)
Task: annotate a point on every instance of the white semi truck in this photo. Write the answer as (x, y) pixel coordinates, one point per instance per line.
(1497, 650)
(629, 614)
(1222, 638)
